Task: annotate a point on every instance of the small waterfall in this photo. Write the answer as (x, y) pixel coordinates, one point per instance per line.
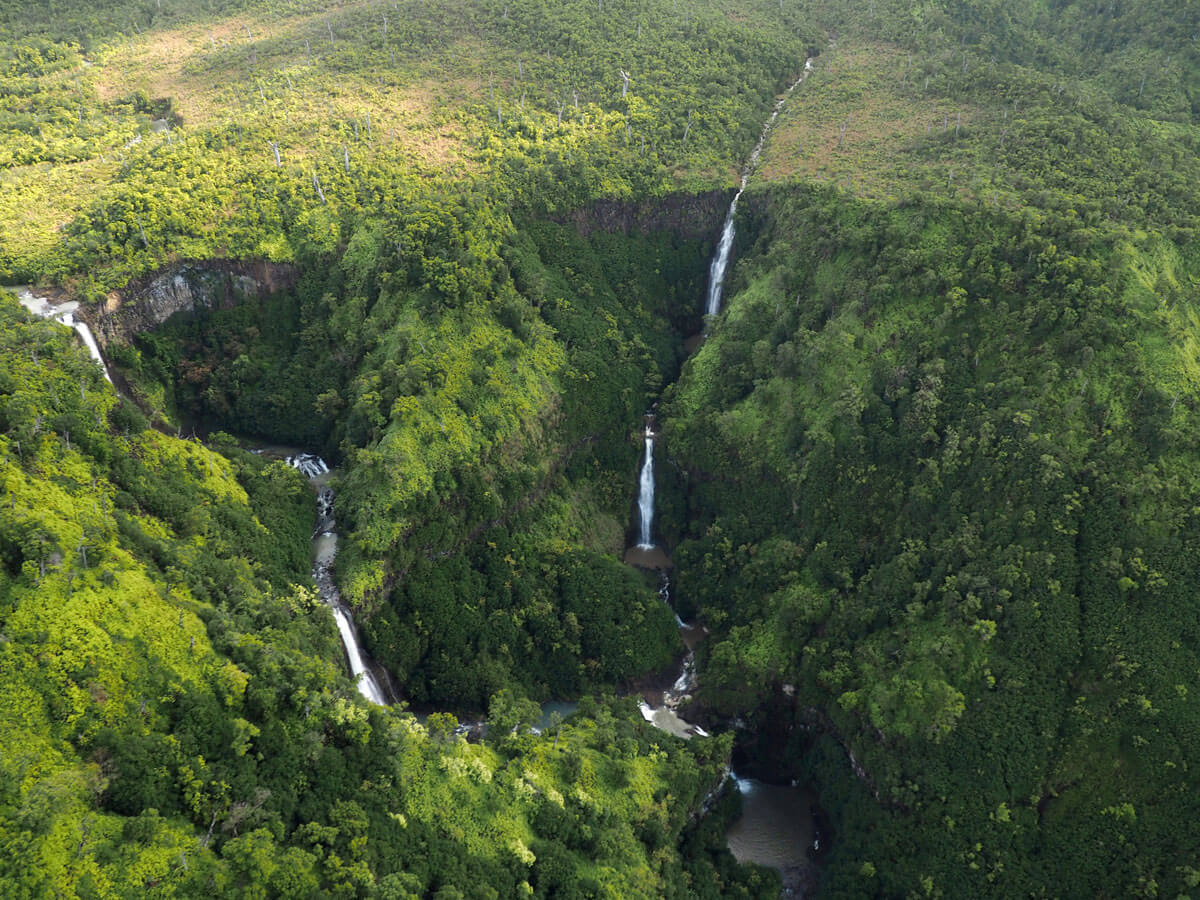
(662, 713)
(716, 272)
(65, 315)
(367, 685)
(646, 495)
(311, 466)
(325, 547)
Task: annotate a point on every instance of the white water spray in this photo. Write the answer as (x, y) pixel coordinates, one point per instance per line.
(716, 272)
(65, 314)
(646, 495)
(367, 685)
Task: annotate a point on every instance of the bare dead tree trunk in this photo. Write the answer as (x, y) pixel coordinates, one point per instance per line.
(211, 826)
(329, 25)
(624, 83)
(346, 157)
(317, 185)
(560, 111)
(84, 828)
(688, 127)
(841, 134)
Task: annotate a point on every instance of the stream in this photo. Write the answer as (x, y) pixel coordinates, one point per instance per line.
(776, 826)
(325, 540)
(64, 313)
(720, 262)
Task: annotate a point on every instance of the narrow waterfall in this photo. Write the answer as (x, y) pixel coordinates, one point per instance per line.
(716, 272)
(65, 314)
(324, 553)
(720, 262)
(646, 495)
(659, 708)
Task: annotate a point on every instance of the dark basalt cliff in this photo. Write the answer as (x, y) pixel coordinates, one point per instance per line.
(185, 288)
(695, 216)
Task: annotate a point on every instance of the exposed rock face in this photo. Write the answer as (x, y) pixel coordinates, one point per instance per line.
(186, 287)
(183, 289)
(694, 216)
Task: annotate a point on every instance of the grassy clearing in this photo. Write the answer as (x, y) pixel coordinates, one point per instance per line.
(889, 127)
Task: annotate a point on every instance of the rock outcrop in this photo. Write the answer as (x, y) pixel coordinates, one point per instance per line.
(692, 216)
(183, 289)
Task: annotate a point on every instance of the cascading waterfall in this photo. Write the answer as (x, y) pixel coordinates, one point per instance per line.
(646, 494)
(664, 715)
(65, 314)
(325, 551)
(716, 271)
(311, 466)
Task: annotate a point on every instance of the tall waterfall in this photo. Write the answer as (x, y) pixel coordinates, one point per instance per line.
(646, 495)
(65, 314)
(325, 551)
(716, 272)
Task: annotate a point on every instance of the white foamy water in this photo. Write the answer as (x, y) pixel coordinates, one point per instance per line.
(646, 495)
(64, 313)
(720, 263)
(324, 553)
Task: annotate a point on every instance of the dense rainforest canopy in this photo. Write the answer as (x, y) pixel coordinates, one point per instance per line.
(929, 482)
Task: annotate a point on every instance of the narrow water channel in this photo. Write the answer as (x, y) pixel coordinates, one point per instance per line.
(64, 313)
(325, 539)
(776, 827)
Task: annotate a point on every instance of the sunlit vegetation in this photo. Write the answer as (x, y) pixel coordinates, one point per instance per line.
(932, 474)
(941, 458)
(232, 133)
(176, 720)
